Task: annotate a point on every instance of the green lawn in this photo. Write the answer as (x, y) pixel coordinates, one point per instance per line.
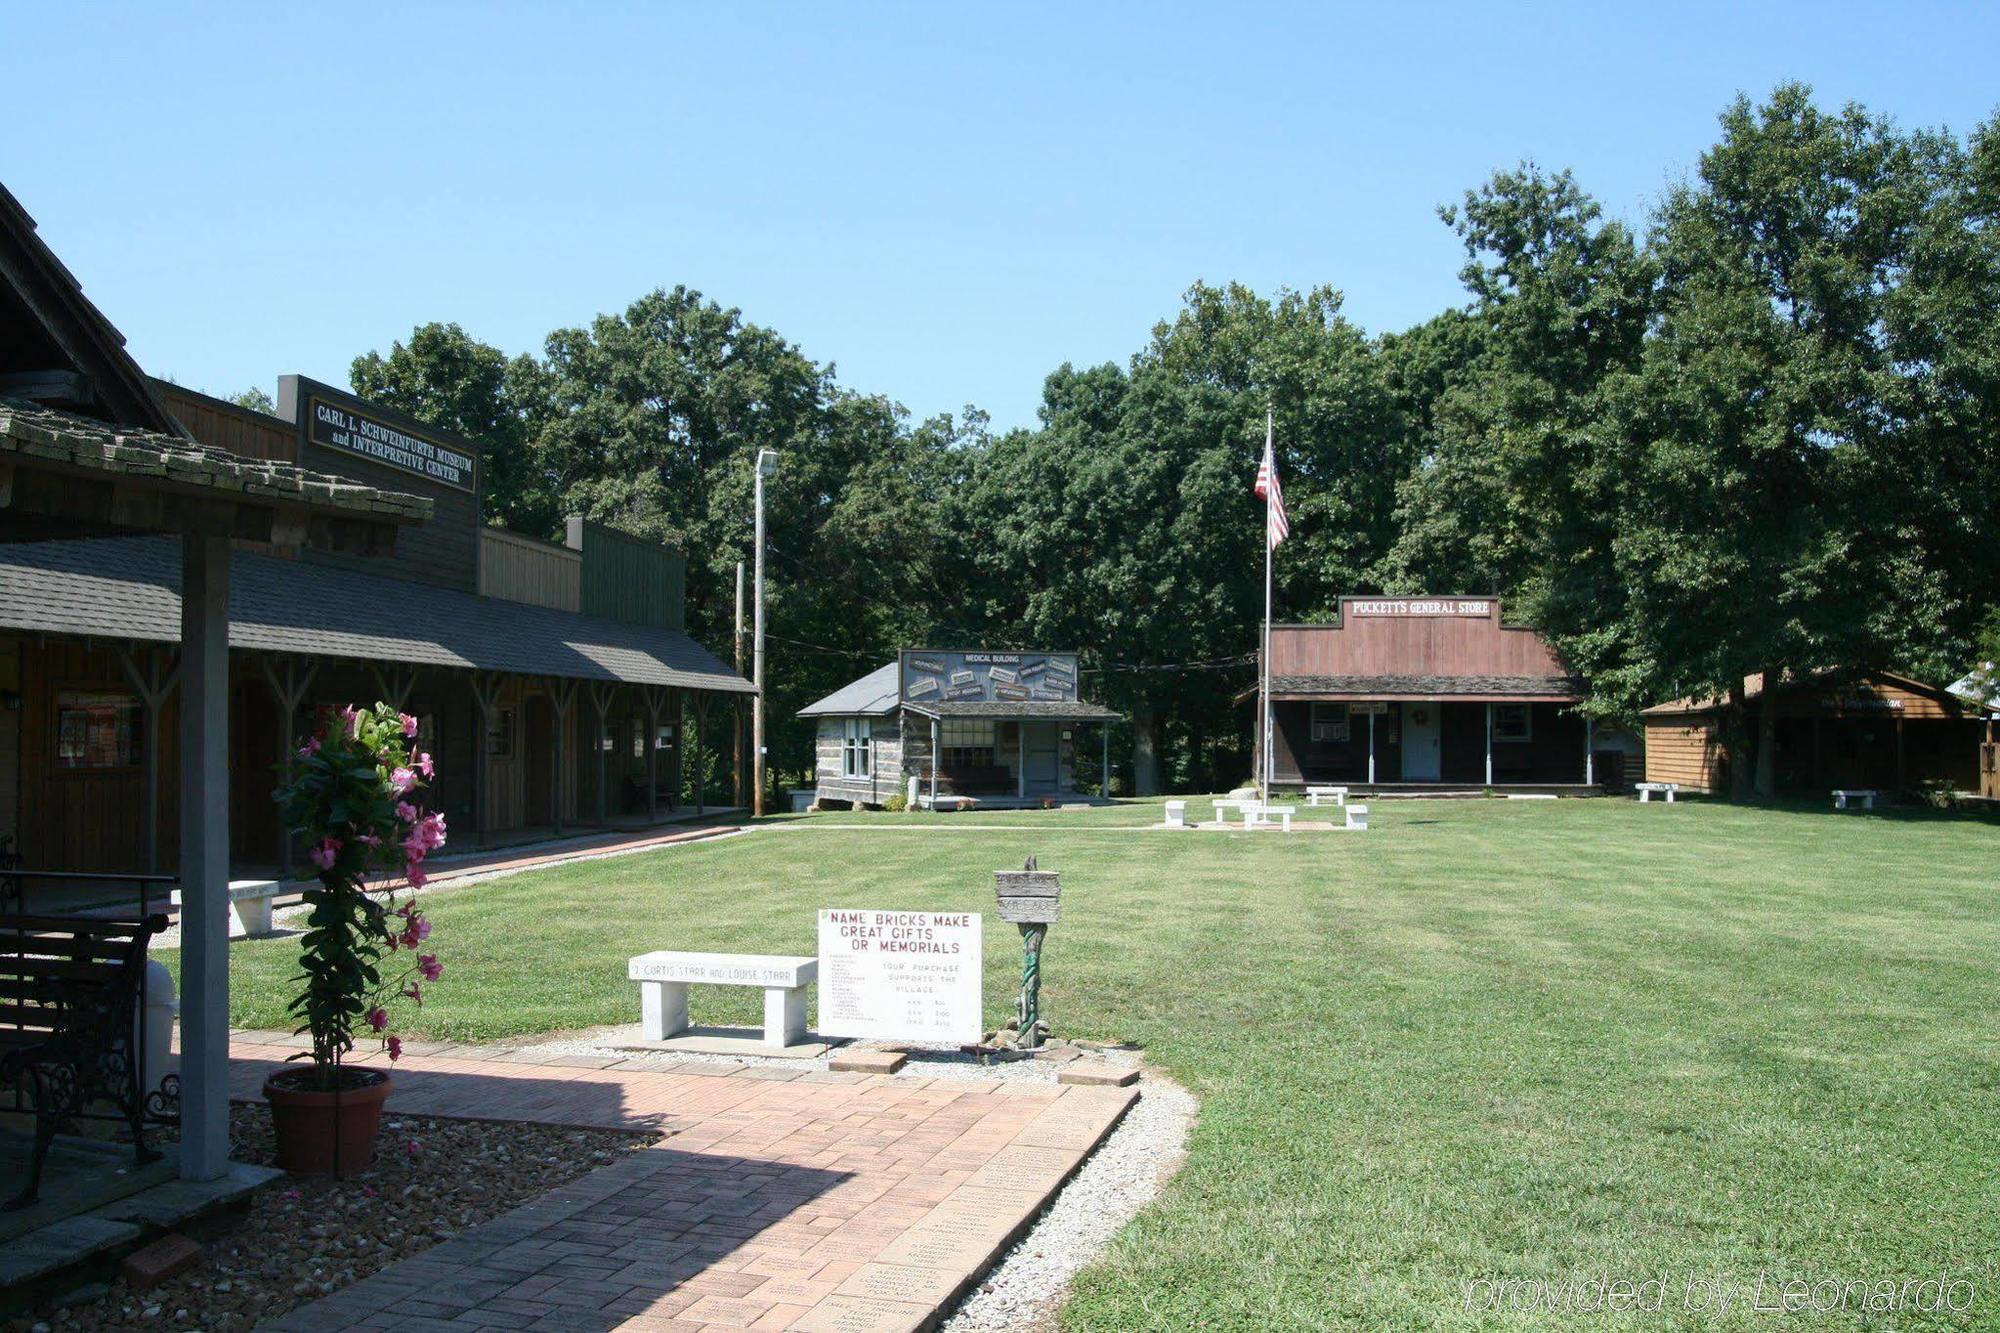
(1512, 1039)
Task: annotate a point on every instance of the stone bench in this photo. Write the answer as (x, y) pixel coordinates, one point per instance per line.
(665, 975)
(1647, 790)
(1357, 816)
(1865, 795)
(1224, 803)
(1318, 795)
(1254, 814)
(249, 905)
(1176, 816)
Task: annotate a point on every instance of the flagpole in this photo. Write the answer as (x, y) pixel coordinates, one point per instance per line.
(1266, 767)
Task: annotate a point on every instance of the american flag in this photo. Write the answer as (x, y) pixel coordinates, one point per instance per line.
(1276, 526)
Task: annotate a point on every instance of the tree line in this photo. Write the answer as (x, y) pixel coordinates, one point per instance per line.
(1762, 434)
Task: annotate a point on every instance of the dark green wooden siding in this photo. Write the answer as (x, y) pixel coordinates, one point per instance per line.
(628, 578)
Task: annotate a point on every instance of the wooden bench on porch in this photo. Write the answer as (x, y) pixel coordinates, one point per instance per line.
(70, 990)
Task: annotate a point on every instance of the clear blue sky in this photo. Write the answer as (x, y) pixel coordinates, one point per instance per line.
(946, 201)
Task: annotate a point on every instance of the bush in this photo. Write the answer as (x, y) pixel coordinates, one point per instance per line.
(896, 804)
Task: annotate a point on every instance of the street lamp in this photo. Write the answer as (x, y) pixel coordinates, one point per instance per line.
(767, 466)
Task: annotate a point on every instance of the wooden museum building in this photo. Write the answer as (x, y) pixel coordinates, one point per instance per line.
(1429, 693)
(554, 683)
(947, 727)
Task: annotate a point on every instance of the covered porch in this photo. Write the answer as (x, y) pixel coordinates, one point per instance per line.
(1012, 755)
(1419, 745)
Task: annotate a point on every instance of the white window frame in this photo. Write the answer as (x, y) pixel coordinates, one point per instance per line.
(1333, 728)
(857, 748)
(1501, 734)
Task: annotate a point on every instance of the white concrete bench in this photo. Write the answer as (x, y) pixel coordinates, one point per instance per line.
(1319, 795)
(665, 975)
(1254, 814)
(249, 905)
(1224, 803)
(1865, 795)
(1357, 816)
(1648, 790)
(1176, 816)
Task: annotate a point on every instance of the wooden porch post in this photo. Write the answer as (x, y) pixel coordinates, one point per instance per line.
(290, 687)
(395, 683)
(1589, 758)
(485, 698)
(680, 749)
(934, 762)
(153, 684)
(653, 703)
(204, 857)
(1902, 769)
(1020, 761)
(601, 696)
(700, 768)
(1104, 739)
(1489, 739)
(562, 694)
(1371, 749)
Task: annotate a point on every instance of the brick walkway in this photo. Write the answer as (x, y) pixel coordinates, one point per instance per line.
(822, 1202)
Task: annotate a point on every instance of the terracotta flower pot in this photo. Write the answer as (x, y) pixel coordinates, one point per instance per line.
(321, 1132)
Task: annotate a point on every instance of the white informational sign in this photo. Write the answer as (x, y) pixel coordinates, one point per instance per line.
(900, 976)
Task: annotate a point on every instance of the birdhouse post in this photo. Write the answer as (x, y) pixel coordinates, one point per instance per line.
(1031, 899)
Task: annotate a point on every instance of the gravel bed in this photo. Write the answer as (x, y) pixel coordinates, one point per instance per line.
(307, 1237)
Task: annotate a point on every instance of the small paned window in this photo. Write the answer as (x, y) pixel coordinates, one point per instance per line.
(1330, 723)
(98, 730)
(856, 749)
(500, 734)
(1513, 722)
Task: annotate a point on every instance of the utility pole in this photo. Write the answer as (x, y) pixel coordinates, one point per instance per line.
(767, 466)
(736, 714)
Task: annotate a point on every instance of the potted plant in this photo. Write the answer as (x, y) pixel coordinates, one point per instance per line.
(352, 790)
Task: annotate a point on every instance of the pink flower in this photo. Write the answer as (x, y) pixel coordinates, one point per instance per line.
(402, 779)
(310, 748)
(419, 928)
(414, 873)
(414, 993)
(413, 846)
(408, 813)
(325, 852)
(414, 1147)
(429, 966)
(424, 767)
(369, 840)
(378, 1018)
(395, 1053)
(409, 726)
(429, 831)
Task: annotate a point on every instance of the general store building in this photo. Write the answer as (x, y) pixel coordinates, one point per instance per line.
(1426, 693)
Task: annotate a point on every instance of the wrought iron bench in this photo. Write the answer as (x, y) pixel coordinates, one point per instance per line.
(70, 991)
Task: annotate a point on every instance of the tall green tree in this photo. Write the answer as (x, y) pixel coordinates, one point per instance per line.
(444, 376)
(1766, 480)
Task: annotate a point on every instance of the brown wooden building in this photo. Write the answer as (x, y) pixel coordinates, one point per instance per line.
(1838, 729)
(1425, 693)
(554, 683)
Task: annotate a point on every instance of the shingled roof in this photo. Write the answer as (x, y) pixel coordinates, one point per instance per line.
(129, 588)
(874, 695)
(48, 435)
(1496, 688)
